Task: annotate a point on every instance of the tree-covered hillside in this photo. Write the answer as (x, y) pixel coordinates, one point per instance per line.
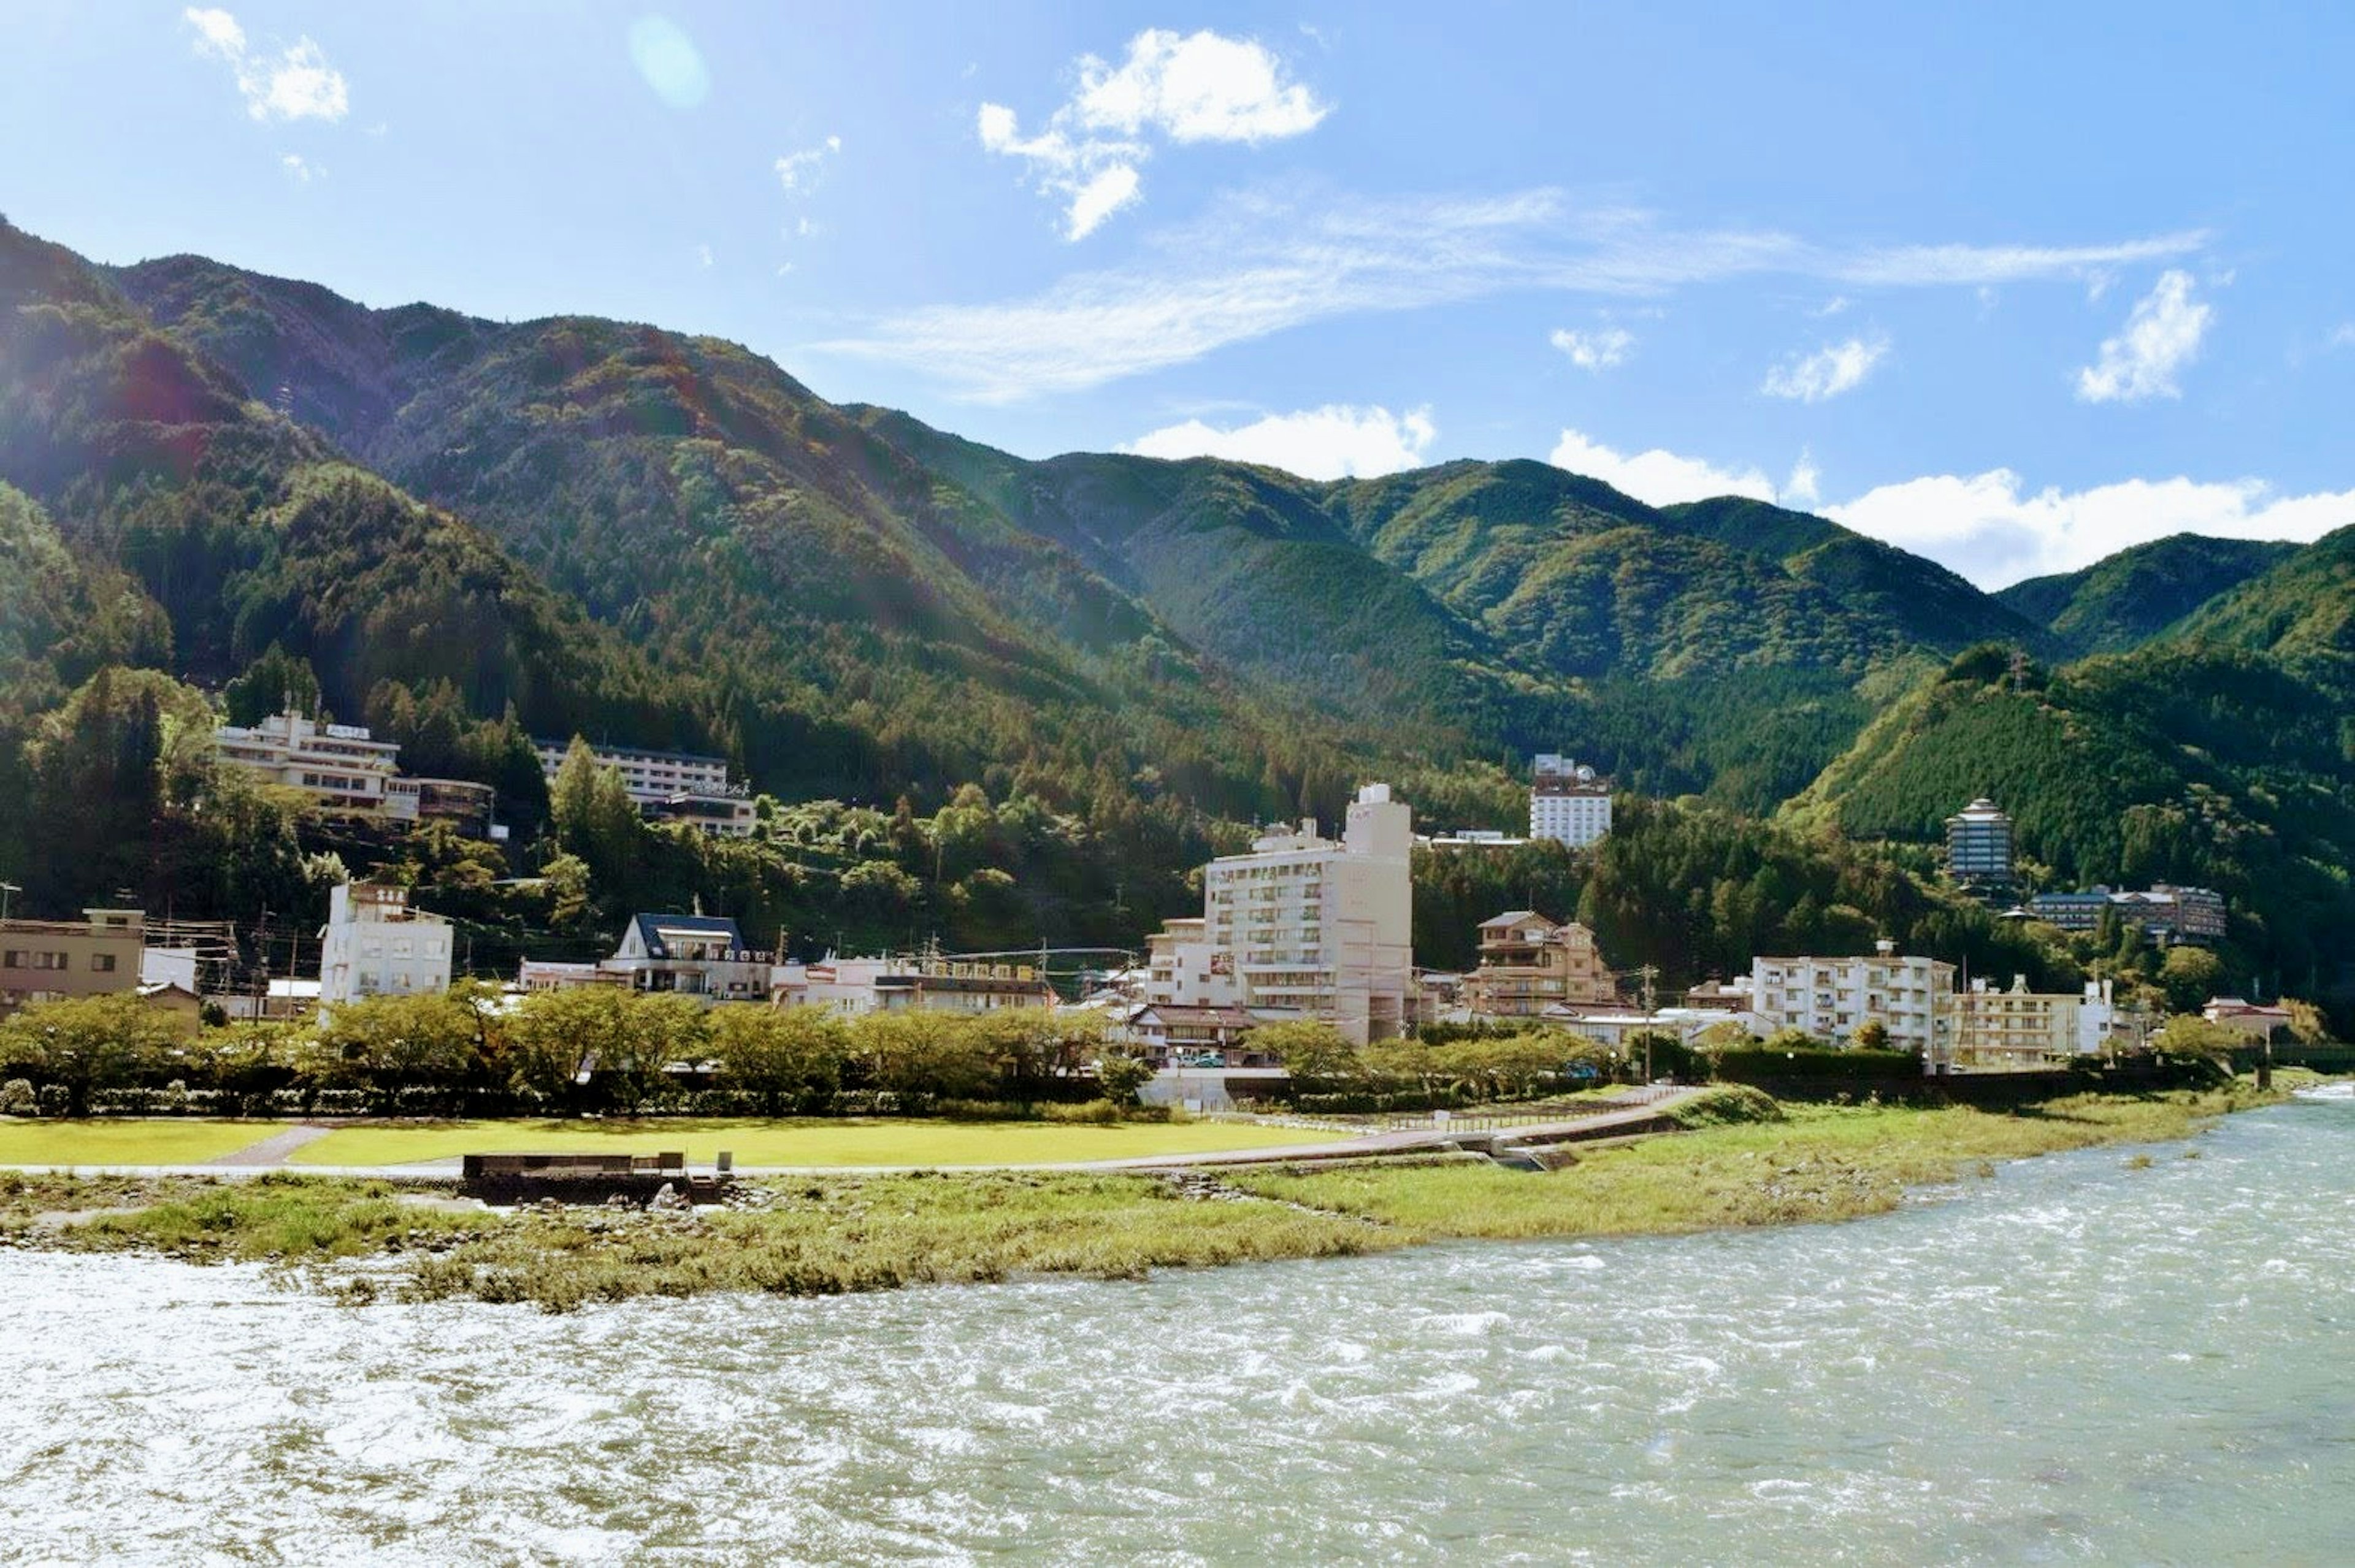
(2125, 599)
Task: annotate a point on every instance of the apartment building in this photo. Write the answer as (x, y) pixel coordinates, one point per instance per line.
(1529, 963)
(678, 786)
(1303, 926)
(374, 944)
(1569, 802)
(2018, 1030)
(1979, 848)
(49, 960)
(1912, 997)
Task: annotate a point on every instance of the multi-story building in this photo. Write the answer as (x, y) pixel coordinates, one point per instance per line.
(49, 960)
(1569, 802)
(2166, 913)
(462, 802)
(374, 944)
(1979, 852)
(1303, 926)
(678, 786)
(691, 955)
(2020, 1029)
(1913, 998)
(1529, 963)
(342, 766)
(854, 987)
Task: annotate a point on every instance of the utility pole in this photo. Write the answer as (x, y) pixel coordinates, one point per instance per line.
(1648, 973)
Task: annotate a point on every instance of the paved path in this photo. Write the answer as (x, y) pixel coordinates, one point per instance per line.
(270, 1153)
(273, 1149)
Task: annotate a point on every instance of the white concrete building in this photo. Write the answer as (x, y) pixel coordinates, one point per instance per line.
(1303, 926)
(678, 786)
(1912, 997)
(1569, 802)
(340, 765)
(852, 987)
(374, 944)
(2018, 1030)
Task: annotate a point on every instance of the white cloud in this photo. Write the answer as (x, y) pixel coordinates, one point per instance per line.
(1200, 87)
(1990, 529)
(1596, 350)
(1804, 487)
(300, 170)
(1831, 307)
(1658, 477)
(1336, 441)
(1832, 369)
(1924, 264)
(296, 83)
(2162, 335)
(1259, 264)
(2343, 336)
(800, 171)
(703, 256)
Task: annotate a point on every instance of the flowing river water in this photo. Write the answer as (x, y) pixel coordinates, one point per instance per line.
(2085, 1359)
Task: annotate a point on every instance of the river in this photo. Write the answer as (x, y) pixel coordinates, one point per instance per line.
(2081, 1359)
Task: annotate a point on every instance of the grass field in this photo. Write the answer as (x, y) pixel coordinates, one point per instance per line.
(125, 1141)
(801, 1141)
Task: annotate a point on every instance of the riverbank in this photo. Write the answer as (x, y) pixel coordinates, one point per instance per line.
(823, 1235)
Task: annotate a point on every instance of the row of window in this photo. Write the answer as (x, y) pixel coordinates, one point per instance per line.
(335, 782)
(29, 958)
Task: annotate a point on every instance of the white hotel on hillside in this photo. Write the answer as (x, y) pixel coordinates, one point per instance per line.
(1569, 802)
(679, 786)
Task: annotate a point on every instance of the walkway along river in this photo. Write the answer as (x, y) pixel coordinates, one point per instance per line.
(2088, 1358)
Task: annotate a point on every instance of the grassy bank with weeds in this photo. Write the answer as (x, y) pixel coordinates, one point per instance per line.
(1748, 1163)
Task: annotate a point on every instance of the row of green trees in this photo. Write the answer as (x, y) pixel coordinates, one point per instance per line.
(597, 1049)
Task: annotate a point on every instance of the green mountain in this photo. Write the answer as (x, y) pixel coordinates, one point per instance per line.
(2302, 608)
(2125, 599)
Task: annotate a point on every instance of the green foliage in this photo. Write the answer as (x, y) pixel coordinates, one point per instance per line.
(1725, 1105)
(2125, 599)
(1803, 1058)
(1120, 1074)
(85, 1043)
(792, 1057)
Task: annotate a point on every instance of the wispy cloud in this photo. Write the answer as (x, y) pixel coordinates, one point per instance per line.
(1336, 441)
(292, 83)
(2343, 336)
(2162, 335)
(1915, 265)
(1658, 477)
(300, 170)
(1834, 369)
(1200, 87)
(800, 172)
(1597, 350)
(1259, 263)
(669, 63)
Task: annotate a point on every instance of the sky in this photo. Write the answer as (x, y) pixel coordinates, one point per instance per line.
(2010, 285)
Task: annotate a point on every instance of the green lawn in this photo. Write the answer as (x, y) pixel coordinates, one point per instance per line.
(126, 1140)
(799, 1141)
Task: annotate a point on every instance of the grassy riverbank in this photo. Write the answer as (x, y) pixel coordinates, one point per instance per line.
(828, 1234)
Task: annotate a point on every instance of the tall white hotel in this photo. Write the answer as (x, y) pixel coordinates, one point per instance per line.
(1569, 802)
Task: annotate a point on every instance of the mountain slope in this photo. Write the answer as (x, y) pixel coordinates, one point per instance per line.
(2126, 599)
(2302, 607)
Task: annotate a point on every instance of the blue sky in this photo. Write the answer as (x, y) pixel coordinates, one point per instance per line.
(2013, 285)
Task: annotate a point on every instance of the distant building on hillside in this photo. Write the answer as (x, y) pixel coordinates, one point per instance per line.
(1569, 802)
(2166, 913)
(1529, 963)
(374, 944)
(345, 768)
(1979, 850)
(676, 786)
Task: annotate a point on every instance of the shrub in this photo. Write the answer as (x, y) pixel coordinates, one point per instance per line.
(17, 1098)
(1725, 1105)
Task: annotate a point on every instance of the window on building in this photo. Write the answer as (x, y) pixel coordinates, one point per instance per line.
(101, 963)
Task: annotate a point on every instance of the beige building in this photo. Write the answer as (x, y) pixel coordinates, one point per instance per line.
(2016, 1029)
(1304, 926)
(1912, 997)
(1529, 963)
(852, 987)
(340, 765)
(49, 960)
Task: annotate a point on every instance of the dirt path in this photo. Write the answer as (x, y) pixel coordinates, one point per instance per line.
(273, 1149)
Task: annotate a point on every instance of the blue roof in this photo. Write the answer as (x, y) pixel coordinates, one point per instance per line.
(651, 927)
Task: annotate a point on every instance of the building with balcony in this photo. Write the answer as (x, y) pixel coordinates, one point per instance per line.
(1979, 850)
(1529, 963)
(2018, 1030)
(1569, 802)
(699, 956)
(1913, 999)
(1303, 926)
(2164, 912)
(854, 987)
(50, 960)
(374, 944)
(668, 787)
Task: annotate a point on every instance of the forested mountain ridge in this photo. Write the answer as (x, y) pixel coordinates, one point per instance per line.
(2125, 599)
